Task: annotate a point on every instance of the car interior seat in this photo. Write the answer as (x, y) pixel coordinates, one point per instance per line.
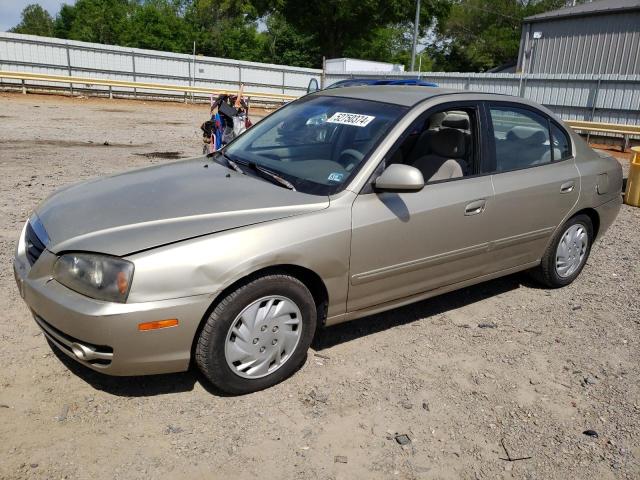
(446, 160)
(522, 147)
(421, 146)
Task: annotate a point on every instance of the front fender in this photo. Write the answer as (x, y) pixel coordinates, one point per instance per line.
(318, 241)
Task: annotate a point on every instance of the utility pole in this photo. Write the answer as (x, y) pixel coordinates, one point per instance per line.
(415, 36)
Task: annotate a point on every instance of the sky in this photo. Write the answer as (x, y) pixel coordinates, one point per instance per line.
(10, 10)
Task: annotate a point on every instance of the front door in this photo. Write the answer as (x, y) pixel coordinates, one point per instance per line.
(408, 243)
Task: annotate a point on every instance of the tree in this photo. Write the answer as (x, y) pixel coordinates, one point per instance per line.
(157, 25)
(98, 21)
(225, 28)
(284, 45)
(391, 43)
(349, 27)
(35, 21)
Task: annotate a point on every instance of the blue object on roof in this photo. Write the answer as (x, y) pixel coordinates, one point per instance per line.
(357, 82)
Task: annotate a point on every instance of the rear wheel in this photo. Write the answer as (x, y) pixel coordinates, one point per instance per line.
(257, 335)
(567, 253)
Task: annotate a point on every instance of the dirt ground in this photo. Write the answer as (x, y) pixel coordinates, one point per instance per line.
(502, 363)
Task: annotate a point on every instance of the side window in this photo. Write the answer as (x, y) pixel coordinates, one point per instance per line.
(441, 145)
(521, 138)
(561, 143)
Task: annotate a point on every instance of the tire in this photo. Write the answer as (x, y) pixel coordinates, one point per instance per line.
(251, 320)
(552, 272)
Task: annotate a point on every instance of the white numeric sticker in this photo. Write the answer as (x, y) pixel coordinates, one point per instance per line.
(354, 119)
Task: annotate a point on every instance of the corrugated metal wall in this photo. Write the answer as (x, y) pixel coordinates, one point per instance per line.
(597, 44)
(67, 57)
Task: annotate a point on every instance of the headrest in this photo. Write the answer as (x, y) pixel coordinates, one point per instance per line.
(448, 143)
(527, 135)
(456, 120)
(435, 120)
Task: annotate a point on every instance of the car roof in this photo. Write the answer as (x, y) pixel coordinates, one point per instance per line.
(407, 95)
(381, 81)
(410, 95)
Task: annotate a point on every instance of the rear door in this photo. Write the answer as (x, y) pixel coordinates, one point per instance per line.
(535, 179)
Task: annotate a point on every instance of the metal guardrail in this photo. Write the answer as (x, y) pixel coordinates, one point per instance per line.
(614, 128)
(40, 77)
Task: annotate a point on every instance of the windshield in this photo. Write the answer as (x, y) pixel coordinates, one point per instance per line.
(316, 143)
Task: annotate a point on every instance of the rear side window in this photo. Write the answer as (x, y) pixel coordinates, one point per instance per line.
(521, 138)
(561, 144)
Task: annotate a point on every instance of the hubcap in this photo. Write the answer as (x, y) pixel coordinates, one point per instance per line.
(571, 250)
(263, 337)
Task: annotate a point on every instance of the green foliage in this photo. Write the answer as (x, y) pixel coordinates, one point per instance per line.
(35, 21)
(156, 25)
(224, 28)
(476, 35)
(284, 45)
(378, 30)
(99, 21)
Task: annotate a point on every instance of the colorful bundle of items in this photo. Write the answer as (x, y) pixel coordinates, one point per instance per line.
(229, 118)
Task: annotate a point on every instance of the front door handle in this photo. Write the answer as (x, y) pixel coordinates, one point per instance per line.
(567, 187)
(475, 208)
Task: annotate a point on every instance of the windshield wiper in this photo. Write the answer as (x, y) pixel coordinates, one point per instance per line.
(228, 162)
(269, 175)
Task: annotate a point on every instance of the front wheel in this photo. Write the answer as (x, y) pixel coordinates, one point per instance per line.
(567, 253)
(257, 335)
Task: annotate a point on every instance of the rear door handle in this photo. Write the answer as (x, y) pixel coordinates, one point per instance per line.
(475, 208)
(567, 187)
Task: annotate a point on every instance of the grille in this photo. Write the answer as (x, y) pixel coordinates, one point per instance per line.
(34, 247)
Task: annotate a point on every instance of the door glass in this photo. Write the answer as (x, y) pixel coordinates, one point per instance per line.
(521, 138)
(313, 86)
(561, 144)
(441, 145)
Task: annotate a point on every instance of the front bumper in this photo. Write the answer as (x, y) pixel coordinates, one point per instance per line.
(77, 323)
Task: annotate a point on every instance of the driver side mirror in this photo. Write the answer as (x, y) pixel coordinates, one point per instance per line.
(398, 177)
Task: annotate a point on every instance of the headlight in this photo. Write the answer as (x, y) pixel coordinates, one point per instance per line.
(96, 276)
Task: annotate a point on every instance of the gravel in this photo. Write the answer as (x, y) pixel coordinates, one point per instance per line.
(549, 372)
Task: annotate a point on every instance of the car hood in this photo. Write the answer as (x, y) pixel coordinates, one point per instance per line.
(154, 206)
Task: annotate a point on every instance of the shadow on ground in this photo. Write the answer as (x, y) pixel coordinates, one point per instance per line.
(345, 332)
(151, 385)
(138, 386)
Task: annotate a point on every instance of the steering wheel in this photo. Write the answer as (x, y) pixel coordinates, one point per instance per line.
(347, 162)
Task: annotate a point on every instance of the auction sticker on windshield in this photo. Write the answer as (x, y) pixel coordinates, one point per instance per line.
(354, 119)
